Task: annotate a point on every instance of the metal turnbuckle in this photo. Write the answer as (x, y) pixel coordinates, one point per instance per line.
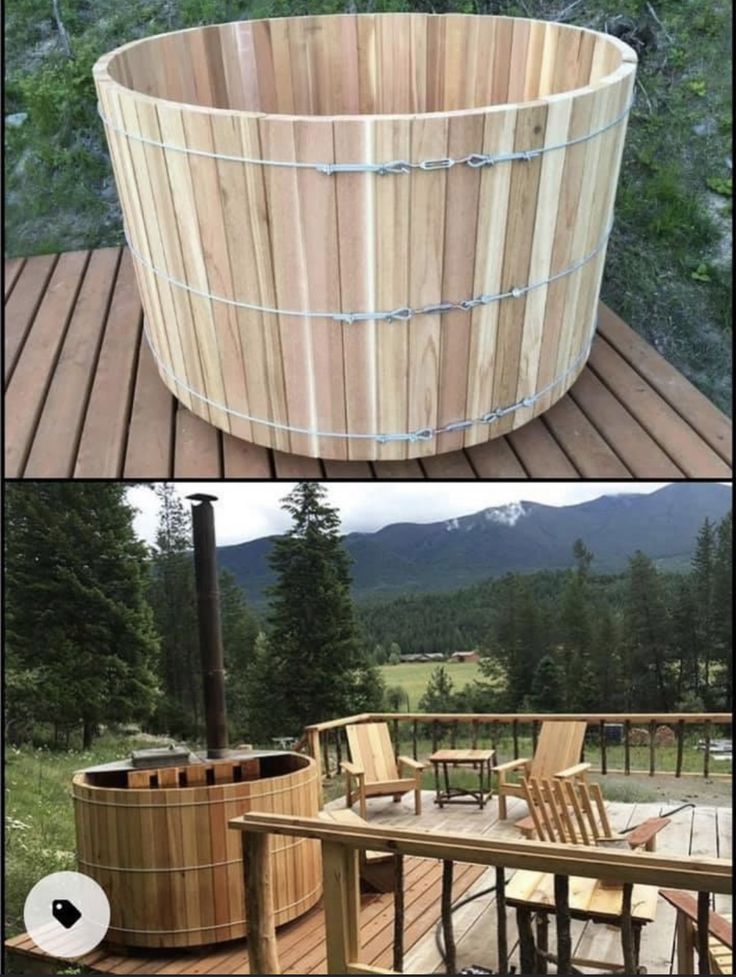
(436, 164)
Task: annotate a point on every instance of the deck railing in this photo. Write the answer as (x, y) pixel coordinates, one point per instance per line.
(341, 844)
(326, 741)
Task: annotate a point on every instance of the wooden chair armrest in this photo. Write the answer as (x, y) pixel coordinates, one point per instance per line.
(574, 771)
(352, 769)
(406, 761)
(511, 765)
(644, 833)
(687, 905)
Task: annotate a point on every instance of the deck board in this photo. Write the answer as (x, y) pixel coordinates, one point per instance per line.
(702, 830)
(83, 398)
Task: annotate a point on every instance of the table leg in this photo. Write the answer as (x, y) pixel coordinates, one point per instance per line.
(437, 794)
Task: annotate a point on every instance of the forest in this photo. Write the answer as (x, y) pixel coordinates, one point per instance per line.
(101, 630)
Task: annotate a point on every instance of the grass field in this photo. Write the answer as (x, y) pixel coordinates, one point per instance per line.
(413, 677)
(669, 258)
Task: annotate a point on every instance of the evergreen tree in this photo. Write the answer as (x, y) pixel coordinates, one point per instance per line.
(438, 695)
(703, 565)
(79, 630)
(723, 609)
(684, 640)
(548, 694)
(318, 664)
(607, 678)
(518, 641)
(264, 708)
(576, 626)
(174, 601)
(645, 636)
(239, 633)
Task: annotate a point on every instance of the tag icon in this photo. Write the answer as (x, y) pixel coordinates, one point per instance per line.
(65, 912)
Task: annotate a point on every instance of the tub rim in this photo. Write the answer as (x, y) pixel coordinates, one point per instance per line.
(102, 76)
(186, 793)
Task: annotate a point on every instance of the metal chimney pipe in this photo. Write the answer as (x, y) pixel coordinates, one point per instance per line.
(210, 631)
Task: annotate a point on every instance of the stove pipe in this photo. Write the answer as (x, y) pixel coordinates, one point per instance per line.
(210, 631)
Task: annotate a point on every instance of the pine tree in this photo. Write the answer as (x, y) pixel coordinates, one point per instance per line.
(645, 635)
(79, 630)
(174, 601)
(264, 708)
(576, 626)
(723, 608)
(703, 565)
(438, 695)
(239, 633)
(318, 664)
(548, 694)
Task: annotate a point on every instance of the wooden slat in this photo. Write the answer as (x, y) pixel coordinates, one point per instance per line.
(587, 450)
(11, 271)
(296, 466)
(54, 448)
(664, 424)
(539, 453)
(242, 459)
(496, 459)
(637, 450)
(398, 469)
(149, 451)
(22, 305)
(104, 432)
(196, 447)
(27, 388)
(347, 469)
(710, 423)
(454, 464)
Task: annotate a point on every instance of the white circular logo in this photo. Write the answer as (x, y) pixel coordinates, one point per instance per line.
(66, 914)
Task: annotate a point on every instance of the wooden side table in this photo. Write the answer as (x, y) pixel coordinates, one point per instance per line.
(482, 760)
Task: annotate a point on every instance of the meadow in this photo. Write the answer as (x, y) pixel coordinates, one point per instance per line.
(413, 676)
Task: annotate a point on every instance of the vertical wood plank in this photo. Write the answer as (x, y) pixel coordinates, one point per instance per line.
(262, 950)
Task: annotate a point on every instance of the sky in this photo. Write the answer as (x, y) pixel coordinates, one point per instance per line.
(247, 511)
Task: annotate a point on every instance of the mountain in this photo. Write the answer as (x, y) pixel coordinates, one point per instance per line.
(523, 536)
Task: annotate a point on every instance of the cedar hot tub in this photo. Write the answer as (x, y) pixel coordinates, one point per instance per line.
(373, 236)
(157, 842)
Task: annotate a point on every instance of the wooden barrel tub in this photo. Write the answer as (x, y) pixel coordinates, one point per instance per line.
(164, 855)
(368, 236)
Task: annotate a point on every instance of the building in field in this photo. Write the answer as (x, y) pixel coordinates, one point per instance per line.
(465, 656)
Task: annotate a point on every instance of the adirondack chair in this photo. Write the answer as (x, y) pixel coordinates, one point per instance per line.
(574, 812)
(720, 934)
(375, 770)
(557, 755)
(570, 812)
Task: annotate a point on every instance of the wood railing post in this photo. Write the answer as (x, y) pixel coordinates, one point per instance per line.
(702, 936)
(501, 928)
(652, 747)
(435, 728)
(527, 949)
(398, 963)
(706, 756)
(262, 952)
(627, 746)
(627, 930)
(562, 911)
(342, 907)
(474, 735)
(397, 749)
(414, 737)
(453, 734)
(313, 746)
(338, 748)
(515, 734)
(447, 928)
(680, 746)
(534, 736)
(603, 747)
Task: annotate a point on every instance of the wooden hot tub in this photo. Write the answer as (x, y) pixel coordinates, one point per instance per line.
(368, 236)
(157, 842)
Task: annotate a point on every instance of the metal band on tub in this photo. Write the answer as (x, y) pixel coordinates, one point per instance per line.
(473, 160)
(422, 434)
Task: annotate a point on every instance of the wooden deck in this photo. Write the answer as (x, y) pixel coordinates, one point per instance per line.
(83, 399)
(699, 831)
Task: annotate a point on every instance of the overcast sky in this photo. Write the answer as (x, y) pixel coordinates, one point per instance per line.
(249, 510)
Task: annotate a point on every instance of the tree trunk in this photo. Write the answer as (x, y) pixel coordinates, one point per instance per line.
(89, 732)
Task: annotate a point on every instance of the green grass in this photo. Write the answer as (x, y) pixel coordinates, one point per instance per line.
(39, 820)
(669, 258)
(413, 677)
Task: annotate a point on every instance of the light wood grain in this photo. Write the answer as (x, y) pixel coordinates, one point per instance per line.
(366, 88)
